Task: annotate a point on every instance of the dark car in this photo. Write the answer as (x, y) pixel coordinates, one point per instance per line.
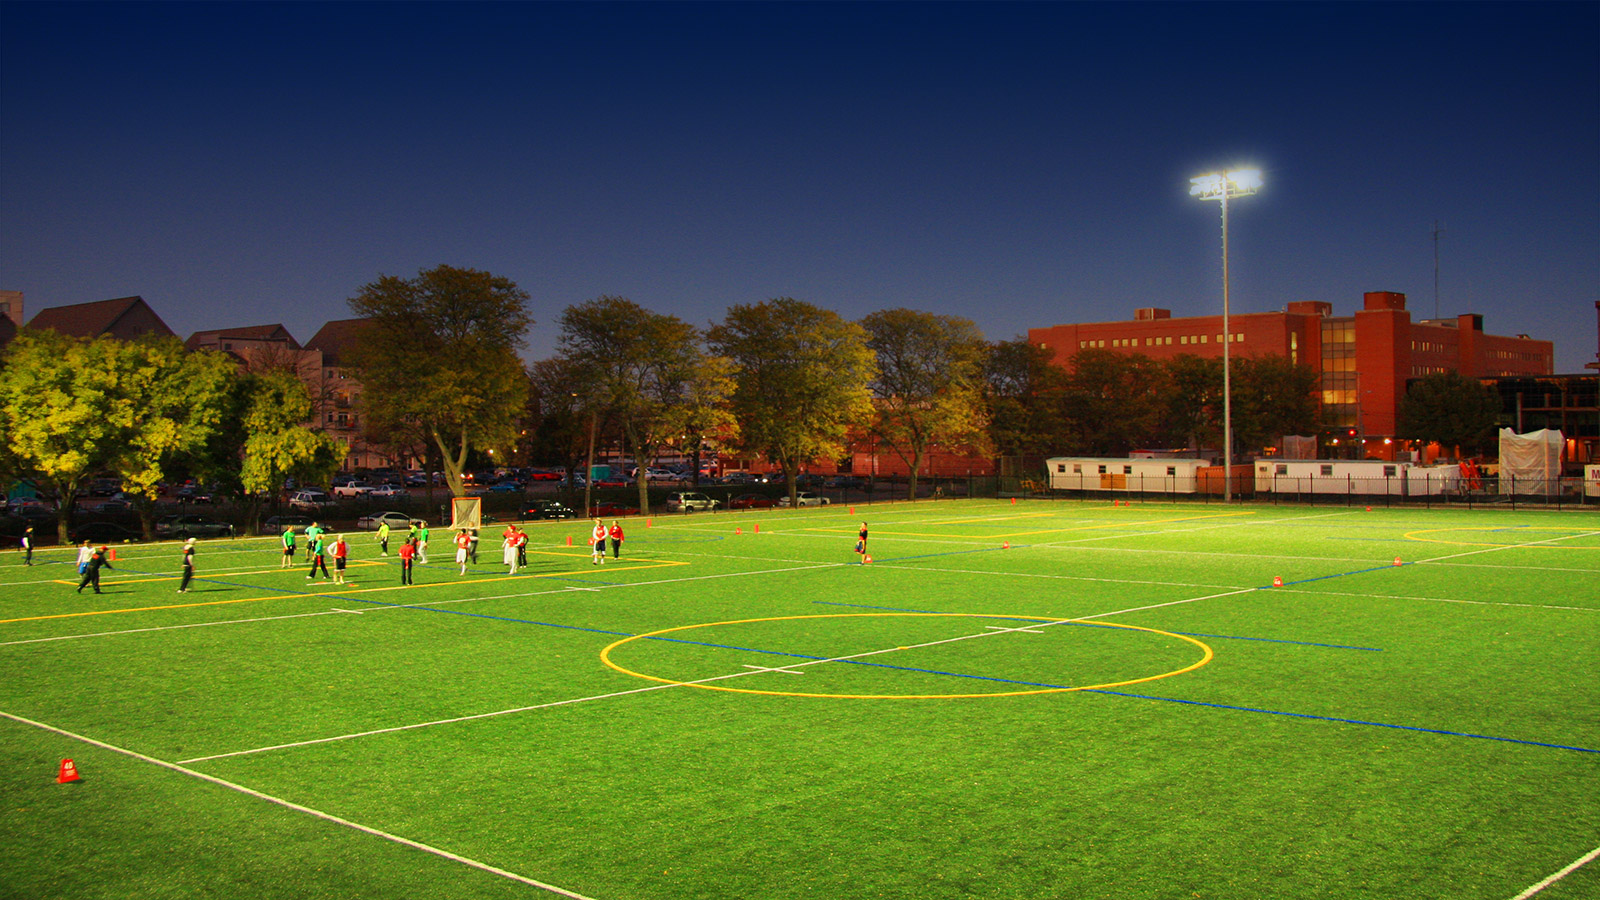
(193, 526)
(104, 533)
(277, 524)
(752, 501)
(548, 509)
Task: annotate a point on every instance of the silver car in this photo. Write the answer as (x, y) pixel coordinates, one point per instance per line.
(689, 501)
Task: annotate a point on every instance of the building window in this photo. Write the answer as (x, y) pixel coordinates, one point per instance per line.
(1127, 470)
(1102, 470)
(1388, 471)
(1061, 467)
(1172, 470)
(1282, 469)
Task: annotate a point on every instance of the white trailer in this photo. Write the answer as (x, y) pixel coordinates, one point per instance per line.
(1156, 476)
(1591, 481)
(1354, 476)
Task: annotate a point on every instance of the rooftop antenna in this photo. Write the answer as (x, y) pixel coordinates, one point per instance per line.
(1436, 232)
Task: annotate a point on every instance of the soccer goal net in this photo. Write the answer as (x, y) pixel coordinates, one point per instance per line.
(466, 512)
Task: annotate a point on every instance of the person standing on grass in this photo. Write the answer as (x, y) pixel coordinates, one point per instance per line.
(463, 541)
(616, 540)
(84, 553)
(472, 545)
(861, 542)
(319, 558)
(288, 547)
(313, 540)
(408, 553)
(522, 548)
(597, 541)
(188, 566)
(27, 546)
(508, 551)
(341, 552)
(383, 537)
(422, 542)
(91, 572)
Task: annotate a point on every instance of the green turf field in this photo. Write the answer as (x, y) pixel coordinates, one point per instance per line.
(1012, 700)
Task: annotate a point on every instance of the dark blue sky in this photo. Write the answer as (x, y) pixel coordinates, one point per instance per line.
(1021, 165)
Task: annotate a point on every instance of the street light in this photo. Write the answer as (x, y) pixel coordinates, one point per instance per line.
(1238, 183)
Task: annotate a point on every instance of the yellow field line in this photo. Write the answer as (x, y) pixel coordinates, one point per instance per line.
(303, 596)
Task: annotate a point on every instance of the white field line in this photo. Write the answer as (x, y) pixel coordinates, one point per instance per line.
(990, 631)
(1578, 863)
(326, 817)
(1564, 537)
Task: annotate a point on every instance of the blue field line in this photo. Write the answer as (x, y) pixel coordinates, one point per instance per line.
(1336, 575)
(1228, 637)
(952, 553)
(1295, 715)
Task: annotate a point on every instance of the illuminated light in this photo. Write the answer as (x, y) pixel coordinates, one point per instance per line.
(1246, 179)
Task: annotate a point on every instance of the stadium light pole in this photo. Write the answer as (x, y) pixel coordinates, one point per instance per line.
(1223, 186)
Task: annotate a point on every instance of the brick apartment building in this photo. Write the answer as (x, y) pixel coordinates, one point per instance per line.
(1364, 359)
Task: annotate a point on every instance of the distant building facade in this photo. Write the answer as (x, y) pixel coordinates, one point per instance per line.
(1364, 360)
(340, 409)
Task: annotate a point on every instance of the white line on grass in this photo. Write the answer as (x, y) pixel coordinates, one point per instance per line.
(1564, 537)
(1577, 864)
(287, 804)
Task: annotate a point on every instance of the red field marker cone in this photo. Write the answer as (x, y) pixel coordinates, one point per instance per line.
(738, 531)
(1398, 562)
(758, 528)
(69, 772)
(1013, 501)
(1369, 509)
(569, 540)
(852, 510)
(1005, 545)
(113, 554)
(866, 559)
(1277, 581)
(647, 523)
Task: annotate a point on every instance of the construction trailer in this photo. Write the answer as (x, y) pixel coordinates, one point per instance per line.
(1155, 476)
(1591, 481)
(1355, 476)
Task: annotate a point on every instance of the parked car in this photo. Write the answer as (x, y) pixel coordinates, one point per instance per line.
(744, 478)
(192, 526)
(505, 487)
(752, 501)
(416, 479)
(277, 524)
(104, 533)
(193, 494)
(609, 508)
(310, 500)
(613, 481)
(689, 501)
(388, 491)
(655, 473)
(548, 509)
(847, 483)
(395, 520)
(804, 498)
(544, 475)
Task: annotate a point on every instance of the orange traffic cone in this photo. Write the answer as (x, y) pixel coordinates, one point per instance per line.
(569, 540)
(1005, 545)
(1398, 562)
(738, 531)
(758, 528)
(1277, 581)
(1013, 501)
(113, 554)
(69, 772)
(866, 559)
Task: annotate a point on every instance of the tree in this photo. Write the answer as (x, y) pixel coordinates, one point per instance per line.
(1024, 392)
(1272, 397)
(929, 383)
(1451, 409)
(440, 353)
(1115, 401)
(648, 370)
(71, 408)
(801, 376)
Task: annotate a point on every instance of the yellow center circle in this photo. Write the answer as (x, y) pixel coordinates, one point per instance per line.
(605, 657)
(1541, 544)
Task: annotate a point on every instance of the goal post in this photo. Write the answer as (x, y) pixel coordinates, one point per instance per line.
(466, 512)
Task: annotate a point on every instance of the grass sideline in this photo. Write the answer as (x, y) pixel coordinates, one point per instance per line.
(1070, 700)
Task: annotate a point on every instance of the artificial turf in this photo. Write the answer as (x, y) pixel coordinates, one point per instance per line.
(1013, 700)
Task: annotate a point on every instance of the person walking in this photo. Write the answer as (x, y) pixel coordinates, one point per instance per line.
(597, 541)
(616, 540)
(288, 548)
(383, 537)
(27, 546)
(861, 542)
(91, 572)
(188, 566)
(422, 542)
(319, 558)
(341, 552)
(463, 541)
(84, 553)
(408, 553)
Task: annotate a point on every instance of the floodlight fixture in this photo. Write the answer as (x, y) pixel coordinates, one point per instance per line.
(1223, 186)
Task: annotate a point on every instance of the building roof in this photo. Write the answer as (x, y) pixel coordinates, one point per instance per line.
(334, 338)
(244, 333)
(103, 317)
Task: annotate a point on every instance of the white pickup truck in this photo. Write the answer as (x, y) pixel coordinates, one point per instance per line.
(351, 489)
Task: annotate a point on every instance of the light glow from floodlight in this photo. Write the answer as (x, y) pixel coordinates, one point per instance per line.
(1237, 183)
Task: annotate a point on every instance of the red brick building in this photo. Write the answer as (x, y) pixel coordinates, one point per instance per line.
(1364, 359)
